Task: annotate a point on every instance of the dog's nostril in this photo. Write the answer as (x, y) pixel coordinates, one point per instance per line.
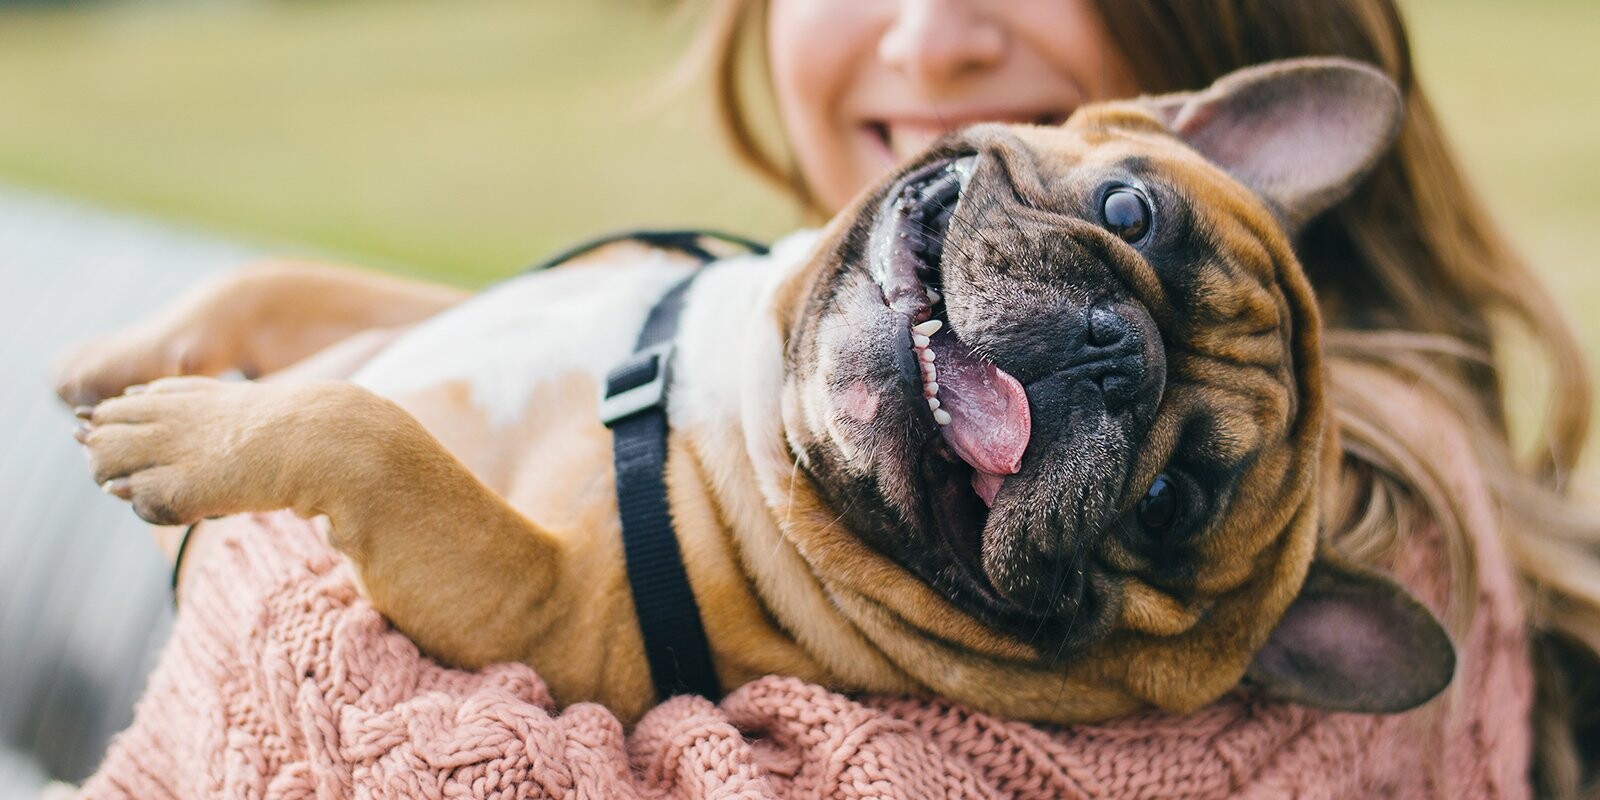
(1118, 389)
(1107, 327)
(1113, 354)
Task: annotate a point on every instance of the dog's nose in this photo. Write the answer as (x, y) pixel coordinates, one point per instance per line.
(1107, 327)
(1122, 353)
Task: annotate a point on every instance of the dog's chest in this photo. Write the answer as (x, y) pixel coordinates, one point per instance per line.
(493, 352)
(510, 380)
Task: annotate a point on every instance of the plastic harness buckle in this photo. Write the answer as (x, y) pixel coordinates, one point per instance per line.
(638, 384)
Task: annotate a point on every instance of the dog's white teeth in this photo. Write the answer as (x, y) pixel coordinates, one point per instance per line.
(933, 296)
(930, 374)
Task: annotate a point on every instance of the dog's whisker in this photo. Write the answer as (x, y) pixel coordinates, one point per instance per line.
(1066, 636)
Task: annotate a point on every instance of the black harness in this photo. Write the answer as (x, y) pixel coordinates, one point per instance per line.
(635, 409)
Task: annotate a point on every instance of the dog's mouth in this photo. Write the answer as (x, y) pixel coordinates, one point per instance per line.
(979, 412)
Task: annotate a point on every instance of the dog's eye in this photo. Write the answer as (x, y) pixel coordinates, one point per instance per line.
(1158, 509)
(1127, 214)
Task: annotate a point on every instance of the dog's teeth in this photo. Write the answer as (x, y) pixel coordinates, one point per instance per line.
(933, 404)
(933, 296)
(927, 355)
(929, 374)
(941, 416)
(919, 340)
(928, 328)
(930, 388)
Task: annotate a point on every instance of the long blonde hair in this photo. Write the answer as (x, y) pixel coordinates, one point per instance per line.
(1414, 279)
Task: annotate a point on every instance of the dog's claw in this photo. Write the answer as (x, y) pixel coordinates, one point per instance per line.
(118, 487)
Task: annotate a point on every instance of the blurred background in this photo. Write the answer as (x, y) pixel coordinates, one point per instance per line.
(143, 144)
(462, 140)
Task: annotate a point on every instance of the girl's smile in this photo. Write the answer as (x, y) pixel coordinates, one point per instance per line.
(864, 84)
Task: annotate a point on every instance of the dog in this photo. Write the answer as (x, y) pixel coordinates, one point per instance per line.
(1037, 424)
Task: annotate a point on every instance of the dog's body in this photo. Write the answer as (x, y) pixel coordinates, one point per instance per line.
(468, 478)
(520, 412)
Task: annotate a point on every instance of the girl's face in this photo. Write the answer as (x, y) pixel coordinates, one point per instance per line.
(862, 84)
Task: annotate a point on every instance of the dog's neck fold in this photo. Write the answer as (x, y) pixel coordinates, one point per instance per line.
(727, 475)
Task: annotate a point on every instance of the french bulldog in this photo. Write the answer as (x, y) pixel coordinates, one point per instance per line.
(1036, 424)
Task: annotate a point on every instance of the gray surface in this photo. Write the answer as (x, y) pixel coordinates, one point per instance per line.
(83, 591)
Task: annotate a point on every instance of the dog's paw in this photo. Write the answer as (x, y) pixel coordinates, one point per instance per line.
(186, 448)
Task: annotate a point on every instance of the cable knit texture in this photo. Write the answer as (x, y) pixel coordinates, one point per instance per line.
(281, 682)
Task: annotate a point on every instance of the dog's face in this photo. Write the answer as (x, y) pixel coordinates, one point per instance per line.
(1069, 378)
(1120, 391)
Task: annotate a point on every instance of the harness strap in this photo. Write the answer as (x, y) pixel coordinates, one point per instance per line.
(635, 409)
(690, 242)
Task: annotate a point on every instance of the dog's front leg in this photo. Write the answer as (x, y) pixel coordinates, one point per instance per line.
(425, 535)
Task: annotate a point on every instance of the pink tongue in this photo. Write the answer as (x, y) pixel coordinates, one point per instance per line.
(989, 420)
(987, 486)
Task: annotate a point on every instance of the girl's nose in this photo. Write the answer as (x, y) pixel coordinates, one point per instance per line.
(936, 41)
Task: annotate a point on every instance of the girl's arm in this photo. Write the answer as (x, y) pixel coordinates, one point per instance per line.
(257, 320)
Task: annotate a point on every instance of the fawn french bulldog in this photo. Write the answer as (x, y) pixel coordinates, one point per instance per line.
(1037, 424)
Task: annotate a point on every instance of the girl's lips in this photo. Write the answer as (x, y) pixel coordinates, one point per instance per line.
(905, 138)
(899, 138)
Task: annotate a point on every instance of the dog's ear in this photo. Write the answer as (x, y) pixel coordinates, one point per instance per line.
(1354, 641)
(1299, 132)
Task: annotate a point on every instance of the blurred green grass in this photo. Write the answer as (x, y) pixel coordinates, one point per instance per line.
(463, 140)
(459, 140)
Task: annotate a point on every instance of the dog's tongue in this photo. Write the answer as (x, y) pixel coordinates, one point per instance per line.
(989, 419)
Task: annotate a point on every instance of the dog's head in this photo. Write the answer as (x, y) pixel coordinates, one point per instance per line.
(1068, 378)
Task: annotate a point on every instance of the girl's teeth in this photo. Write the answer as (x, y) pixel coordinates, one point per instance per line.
(928, 328)
(941, 416)
(919, 340)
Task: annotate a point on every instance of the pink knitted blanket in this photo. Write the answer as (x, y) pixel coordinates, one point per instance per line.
(280, 682)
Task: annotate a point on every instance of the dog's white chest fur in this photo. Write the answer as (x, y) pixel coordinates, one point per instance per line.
(507, 340)
(586, 317)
